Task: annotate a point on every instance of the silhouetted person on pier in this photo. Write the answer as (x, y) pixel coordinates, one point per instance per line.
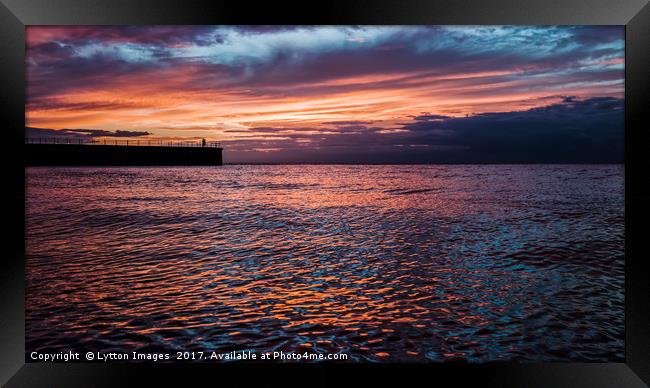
(203, 143)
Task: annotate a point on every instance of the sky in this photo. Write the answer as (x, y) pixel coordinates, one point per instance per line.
(337, 94)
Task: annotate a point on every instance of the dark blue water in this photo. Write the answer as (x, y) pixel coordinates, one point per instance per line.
(383, 263)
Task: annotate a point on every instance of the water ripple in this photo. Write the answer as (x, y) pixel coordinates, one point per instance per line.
(385, 263)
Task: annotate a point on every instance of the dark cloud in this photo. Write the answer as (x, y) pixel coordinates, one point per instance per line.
(58, 77)
(49, 52)
(588, 130)
(571, 131)
(45, 133)
(150, 35)
(429, 117)
(590, 35)
(54, 104)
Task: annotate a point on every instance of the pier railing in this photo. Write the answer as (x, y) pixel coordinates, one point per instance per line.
(115, 142)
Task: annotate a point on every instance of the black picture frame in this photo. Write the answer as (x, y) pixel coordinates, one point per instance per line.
(634, 14)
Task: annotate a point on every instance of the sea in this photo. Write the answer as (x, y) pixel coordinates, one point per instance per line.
(382, 263)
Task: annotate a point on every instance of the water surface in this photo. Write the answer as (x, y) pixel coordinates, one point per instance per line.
(384, 263)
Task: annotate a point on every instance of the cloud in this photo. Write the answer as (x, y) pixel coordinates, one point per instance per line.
(151, 35)
(278, 56)
(374, 93)
(589, 130)
(571, 131)
(348, 122)
(31, 132)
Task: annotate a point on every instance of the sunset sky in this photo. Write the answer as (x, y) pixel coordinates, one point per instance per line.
(337, 93)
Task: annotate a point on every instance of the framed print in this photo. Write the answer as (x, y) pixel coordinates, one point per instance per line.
(387, 190)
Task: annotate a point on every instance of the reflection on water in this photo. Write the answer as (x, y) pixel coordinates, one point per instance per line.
(385, 263)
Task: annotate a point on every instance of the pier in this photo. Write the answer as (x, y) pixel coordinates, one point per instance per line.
(86, 152)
